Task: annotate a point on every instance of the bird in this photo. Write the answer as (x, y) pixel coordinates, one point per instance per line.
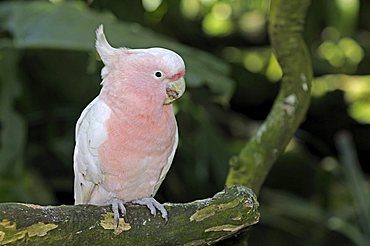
(126, 138)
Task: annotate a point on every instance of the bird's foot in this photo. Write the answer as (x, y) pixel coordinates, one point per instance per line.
(117, 206)
(153, 206)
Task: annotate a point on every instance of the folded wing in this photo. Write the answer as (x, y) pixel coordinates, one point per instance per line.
(168, 164)
(90, 134)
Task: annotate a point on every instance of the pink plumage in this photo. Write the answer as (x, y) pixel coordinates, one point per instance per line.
(126, 137)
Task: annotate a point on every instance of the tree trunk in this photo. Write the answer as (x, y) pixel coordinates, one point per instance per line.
(286, 23)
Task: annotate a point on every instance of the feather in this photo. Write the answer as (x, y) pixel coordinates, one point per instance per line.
(90, 134)
(168, 165)
(105, 50)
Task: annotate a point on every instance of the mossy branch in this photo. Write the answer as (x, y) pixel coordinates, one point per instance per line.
(286, 23)
(196, 223)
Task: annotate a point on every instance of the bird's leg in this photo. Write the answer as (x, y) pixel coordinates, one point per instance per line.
(153, 206)
(117, 205)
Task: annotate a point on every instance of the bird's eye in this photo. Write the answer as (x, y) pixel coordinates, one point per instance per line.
(158, 74)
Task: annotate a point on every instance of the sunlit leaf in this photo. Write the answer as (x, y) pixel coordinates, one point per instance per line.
(356, 91)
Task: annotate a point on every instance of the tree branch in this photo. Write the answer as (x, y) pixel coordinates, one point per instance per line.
(286, 21)
(196, 223)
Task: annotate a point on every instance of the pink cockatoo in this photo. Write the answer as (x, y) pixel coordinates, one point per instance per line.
(127, 136)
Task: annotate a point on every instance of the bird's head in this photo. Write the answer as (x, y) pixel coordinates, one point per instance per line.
(156, 72)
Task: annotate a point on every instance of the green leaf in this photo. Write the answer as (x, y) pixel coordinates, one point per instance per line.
(12, 129)
(71, 25)
(355, 180)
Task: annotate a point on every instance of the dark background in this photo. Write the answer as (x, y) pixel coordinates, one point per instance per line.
(307, 198)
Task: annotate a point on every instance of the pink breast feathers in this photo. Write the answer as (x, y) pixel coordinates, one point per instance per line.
(135, 153)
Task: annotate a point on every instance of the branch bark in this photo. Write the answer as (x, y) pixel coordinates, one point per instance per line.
(286, 22)
(197, 223)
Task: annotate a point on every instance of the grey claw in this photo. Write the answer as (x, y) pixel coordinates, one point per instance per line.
(153, 206)
(117, 205)
(122, 208)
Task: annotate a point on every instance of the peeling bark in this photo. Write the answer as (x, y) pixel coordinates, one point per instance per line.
(197, 223)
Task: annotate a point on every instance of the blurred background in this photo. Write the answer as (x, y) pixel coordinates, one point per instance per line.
(318, 191)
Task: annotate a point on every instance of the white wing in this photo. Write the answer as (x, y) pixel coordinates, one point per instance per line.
(168, 165)
(90, 134)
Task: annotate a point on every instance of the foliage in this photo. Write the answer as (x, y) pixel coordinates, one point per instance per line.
(49, 71)
(341, 204)
(53, 26)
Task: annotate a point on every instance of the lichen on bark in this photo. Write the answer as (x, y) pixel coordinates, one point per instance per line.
(200, 222)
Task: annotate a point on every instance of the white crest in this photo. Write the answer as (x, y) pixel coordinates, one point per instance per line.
(103, 47)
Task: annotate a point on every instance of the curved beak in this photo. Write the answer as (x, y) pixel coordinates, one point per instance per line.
(174, 90)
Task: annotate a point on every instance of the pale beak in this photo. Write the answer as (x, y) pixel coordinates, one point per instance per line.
(174, 90)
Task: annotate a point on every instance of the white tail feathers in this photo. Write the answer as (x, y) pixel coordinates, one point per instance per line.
(103, 47)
